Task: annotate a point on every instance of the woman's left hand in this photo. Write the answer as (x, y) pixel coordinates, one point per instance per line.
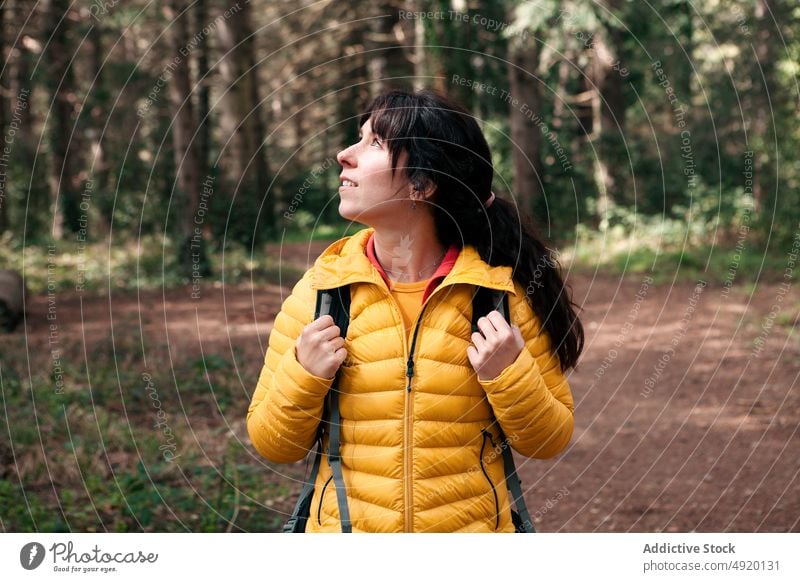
(496, 346)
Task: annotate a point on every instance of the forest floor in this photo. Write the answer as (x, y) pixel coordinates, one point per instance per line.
(686, 401)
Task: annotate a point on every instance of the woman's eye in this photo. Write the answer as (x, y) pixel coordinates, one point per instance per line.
(376, 141)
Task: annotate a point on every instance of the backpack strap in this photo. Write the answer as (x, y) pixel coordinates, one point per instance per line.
(336, 303)
(515, 487)
(302, 509)
(483, 301)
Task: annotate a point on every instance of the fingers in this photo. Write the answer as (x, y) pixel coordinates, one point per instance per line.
(322, 328)
(479, 342)
(520, 340)
(336, 343)
(500, 323)
(329, 333)
(495, 336)
(472, 355)
(320, 347)
(341, 355)
(321, 323)
(494, 327)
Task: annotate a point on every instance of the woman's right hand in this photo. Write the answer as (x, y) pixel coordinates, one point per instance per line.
(320, 348)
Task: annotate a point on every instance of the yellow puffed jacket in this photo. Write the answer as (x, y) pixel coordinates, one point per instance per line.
(411, 448)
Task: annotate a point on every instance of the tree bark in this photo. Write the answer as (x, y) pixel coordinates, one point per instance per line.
(31, 188)
(564, 69)
(184, 127)
(100, 168)
(4, 91)
(64, 189)
(243, 158)
(769, 17)
(203, 93)
(609, 113)
(389, 65)
(525, 123)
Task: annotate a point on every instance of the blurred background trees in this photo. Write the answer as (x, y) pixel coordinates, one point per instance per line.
(217, 122)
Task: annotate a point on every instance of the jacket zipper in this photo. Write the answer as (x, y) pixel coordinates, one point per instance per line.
(408, 409)
(486, 435)
(321, 497)
(408, 413)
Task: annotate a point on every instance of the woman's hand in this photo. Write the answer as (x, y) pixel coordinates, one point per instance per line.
(495, 347)
(320, 348)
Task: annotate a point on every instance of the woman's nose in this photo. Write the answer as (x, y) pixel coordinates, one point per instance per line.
(345, 157)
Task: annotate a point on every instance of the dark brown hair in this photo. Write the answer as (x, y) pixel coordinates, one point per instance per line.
(447, 149)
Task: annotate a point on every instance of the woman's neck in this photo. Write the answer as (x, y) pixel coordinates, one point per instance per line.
(412, 254)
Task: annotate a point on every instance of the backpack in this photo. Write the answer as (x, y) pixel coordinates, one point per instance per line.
(336, 303)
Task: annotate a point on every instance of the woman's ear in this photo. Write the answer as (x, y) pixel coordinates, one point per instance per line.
(423, 189)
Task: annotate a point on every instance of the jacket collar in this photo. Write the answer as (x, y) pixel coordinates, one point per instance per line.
(448, 261)
(346, 261)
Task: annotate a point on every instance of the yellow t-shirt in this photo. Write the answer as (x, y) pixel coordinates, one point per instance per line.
(409, 298)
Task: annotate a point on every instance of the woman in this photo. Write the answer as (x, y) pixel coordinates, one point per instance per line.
(423, 400)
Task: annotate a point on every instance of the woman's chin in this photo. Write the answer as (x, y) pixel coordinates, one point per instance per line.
(354, 215)
(346, 210)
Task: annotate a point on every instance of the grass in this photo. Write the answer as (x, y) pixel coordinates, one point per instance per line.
(148, 263)
(93, 458)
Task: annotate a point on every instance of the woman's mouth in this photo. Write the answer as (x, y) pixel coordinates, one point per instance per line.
(348, 184)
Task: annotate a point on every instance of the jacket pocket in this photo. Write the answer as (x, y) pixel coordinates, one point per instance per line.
(321, 499)
(488, 437)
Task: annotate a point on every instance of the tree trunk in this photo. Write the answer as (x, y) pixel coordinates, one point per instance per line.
(243, 158)
(769, 16)
(191, 253)
(354, 96)
(420, 52)
(203, 103)
(259, 131)
(388, 64)
(12, 299)
(564, 68)
(64, 190)
(32, 188)
(4, 91)
(203, 93)
(609, 112)
(100, 170)
(237, 120)
(525, 122)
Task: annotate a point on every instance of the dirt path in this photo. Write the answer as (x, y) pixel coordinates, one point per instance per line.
(686, 397)
(682, 424)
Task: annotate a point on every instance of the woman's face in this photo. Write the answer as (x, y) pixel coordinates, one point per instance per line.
(368, 192)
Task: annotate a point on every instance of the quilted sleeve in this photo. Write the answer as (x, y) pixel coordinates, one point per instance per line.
(287, 405)
(531, 398)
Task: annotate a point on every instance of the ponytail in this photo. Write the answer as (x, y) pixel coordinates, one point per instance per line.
(512, 240)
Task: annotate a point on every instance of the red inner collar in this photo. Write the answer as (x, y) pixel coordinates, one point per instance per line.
(444, 267)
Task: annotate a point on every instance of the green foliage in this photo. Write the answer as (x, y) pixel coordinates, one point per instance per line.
(676, 247)
(532, 17)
